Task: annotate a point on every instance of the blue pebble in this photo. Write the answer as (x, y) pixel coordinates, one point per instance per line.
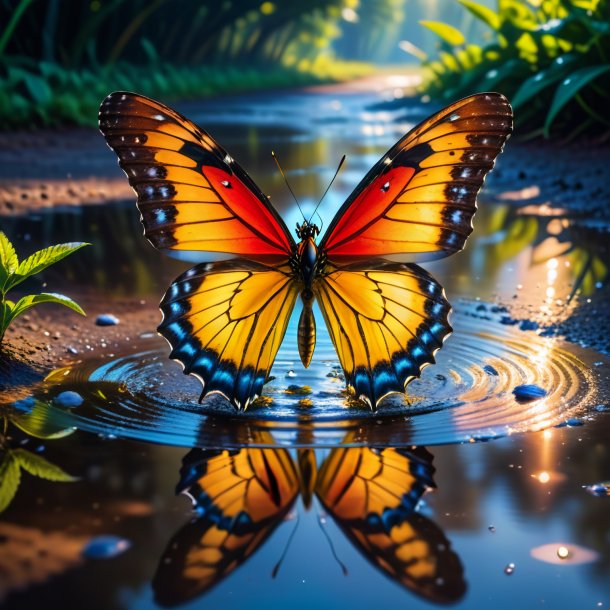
(573, 422)
(68, 400)
(528, 392)
(105, 547)
(106, 319)
(25, 404)
(528, 325)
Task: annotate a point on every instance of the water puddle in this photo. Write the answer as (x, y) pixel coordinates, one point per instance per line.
(467, 396)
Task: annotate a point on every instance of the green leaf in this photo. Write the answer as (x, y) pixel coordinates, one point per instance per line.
(37, 262)
(38, 89)
(446, 32)
(10, 477)
(535, 84)
(39, 467)
(483, 13)
(8, 260)
(30, 300)
(568, 89)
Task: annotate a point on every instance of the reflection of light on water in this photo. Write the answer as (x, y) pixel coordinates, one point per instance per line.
(373, 130)
(544, 477)
(549, 477)
(560, 553)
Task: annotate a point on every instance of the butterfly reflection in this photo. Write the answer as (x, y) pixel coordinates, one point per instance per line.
(241, 496)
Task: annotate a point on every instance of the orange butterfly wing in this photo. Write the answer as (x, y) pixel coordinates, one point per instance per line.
(191, 194)
(241, 497)
(417, 202)
(371, 494)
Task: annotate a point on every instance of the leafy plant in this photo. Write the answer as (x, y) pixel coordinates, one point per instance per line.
(551, 58)
(16, 460)
(57, 61)
(13, 272)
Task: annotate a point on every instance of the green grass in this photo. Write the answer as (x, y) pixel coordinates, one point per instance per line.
(44, 94)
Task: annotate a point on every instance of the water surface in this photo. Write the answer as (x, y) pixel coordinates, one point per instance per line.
(498, 478)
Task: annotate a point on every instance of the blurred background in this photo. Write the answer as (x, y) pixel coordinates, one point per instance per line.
(550, 57)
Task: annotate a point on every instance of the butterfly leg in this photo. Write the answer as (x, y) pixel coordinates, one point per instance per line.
(307, 328)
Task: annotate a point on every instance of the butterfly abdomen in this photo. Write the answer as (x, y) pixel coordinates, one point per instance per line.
(306, 335)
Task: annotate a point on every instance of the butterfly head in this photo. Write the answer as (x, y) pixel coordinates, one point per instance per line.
(307, 230)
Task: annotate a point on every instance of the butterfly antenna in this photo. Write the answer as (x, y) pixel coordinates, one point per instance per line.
(332, 546)
(321, 221)
(277, 161)
(328, 187)
(276, 569)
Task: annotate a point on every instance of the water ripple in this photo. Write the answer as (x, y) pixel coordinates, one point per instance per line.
(466, 397)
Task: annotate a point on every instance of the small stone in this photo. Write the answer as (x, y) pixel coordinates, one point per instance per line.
(528, 325)
(68, 399)
(106, 319)
(528, 392)
(105, 547)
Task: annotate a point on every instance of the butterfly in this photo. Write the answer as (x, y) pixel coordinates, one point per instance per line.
(225, 319)
(242, 496)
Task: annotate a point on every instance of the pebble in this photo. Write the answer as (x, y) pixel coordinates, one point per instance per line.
(599, 489)
(106, 319)
(528, 325)
(528, 392)
(68, 399)
(105, 547)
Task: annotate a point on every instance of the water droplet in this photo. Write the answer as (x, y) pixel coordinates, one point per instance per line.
(226, 184)
(509, 569)
(492, 529)
(291, 373)
(105, 547)
(386, 187)
(563, 552)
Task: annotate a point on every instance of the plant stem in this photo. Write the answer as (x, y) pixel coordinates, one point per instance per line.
(12, 24)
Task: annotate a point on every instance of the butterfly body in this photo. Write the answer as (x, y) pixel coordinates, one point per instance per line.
(225, 319)
(307, 263)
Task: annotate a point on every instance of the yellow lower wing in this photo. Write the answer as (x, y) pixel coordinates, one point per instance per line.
(225, 322)
(372, 494)
(241, 497)
(386, 320)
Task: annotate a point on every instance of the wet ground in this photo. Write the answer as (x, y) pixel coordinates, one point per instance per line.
(529, 296)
